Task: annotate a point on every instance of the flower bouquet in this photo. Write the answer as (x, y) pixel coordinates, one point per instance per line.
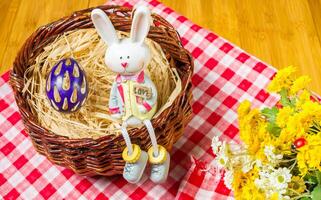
(280, 152)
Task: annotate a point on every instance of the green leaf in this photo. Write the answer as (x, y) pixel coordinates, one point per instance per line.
(316, 193)
(312, 179)
(270, 113)
(305, 198)
(293, 101)
(285, 101)
(273, 129)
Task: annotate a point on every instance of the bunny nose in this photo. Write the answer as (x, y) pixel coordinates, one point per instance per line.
(124, 64)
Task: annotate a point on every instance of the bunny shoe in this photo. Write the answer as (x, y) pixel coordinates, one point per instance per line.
(134, 168)
(160, 164)
(158, 157)
(135, 158)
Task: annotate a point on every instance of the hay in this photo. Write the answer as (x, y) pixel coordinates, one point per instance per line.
(93, 119)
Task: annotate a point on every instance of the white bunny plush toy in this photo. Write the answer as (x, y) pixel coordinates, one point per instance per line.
(133, 96)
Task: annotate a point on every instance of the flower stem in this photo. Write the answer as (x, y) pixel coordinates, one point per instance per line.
(302, 195)
(292, 190)
(287, 160)
(293, 165)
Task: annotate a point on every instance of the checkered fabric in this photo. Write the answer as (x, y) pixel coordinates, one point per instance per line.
(224, 76)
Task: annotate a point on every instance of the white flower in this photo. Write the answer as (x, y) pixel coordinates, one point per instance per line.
(258, 163)
(267, 168)
(216, 144)
(284, 197)
(222, 158)
(271, 156)
(263, 182)
(247, 163)
(273, 180)
(280, 179)
(228, 179)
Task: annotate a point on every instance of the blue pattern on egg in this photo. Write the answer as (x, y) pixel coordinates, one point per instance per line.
(66, 86)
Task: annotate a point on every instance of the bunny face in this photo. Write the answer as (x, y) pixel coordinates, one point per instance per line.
(127, 56)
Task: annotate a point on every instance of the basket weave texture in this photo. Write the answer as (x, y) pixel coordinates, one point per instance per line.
(102, 156)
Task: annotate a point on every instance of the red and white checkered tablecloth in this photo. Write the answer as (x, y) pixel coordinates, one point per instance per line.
(224, 76)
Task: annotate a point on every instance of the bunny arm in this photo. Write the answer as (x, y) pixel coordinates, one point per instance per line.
(149, 103)
(114, 101)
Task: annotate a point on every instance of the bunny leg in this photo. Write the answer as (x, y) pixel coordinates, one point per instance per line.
(126, 137)
(158, 157)
(135, 158)
(152, 136)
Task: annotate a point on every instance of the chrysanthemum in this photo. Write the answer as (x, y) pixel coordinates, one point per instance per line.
(297, 184)
(228, 179)
(283, 116)
(271, 156)
(222, 158)
(308, 156)
(216, 144)
(244, 108)
(303, 97)
(282, 80)
(299, 84)
(280, 178)
(247, 163)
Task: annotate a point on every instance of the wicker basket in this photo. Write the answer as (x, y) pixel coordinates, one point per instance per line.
(102, 156)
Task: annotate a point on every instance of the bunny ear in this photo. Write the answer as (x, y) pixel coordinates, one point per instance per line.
(140, 24)
(104, 26)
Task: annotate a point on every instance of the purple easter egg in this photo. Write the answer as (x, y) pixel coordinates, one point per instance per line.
(66, 86)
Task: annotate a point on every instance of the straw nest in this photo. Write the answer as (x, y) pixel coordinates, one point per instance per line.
(93, 119)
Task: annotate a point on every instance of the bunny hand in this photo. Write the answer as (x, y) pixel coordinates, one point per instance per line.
(116, 116)
(142, 109)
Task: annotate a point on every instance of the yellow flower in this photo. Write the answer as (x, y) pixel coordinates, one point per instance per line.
(312, 109)
(303, 120)
(244, 187)
(244, 108)
(282, 80)
(299, 84)
(308, 156)
(284, 141)
(302, 98)
(294, 127)
(298, 124)
(253, 131)
(251, 192)
(297, 184)
(248, 124)
(283, 116)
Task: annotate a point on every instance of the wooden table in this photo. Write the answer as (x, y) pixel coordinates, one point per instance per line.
(278, 32)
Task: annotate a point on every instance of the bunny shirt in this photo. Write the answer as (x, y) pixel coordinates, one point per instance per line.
(130, 92)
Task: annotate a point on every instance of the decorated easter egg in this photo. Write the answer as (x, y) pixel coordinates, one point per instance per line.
(66, 86)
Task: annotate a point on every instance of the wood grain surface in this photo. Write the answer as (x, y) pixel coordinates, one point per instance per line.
(279, 32)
